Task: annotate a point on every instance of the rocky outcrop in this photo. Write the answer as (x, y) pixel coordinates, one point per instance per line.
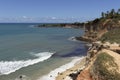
(83, 38)
(84, 75)
(101, 63)
(94, 29)
(97, 28)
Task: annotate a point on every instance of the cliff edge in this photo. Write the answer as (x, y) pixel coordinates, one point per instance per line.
(102, 63)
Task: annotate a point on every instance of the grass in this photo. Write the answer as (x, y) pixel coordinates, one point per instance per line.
(112, 36)
(105, 67)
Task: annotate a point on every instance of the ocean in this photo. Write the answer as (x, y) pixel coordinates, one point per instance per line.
(32, 53)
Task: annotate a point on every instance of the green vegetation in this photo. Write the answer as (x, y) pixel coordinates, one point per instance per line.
(105, 67)
(52, 25)
(74, 25)
(108, 21)
(111, 14)
(111, 36)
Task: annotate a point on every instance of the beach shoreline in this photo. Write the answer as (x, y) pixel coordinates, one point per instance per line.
(56, 72)
(78, 66)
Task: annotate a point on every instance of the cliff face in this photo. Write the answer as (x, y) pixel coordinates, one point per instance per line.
(95, 29)
(103, 59)
(102, 63)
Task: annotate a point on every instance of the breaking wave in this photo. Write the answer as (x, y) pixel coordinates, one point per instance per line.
(7, 67)
(60, 69)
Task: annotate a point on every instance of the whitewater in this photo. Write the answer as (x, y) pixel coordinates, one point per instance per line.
(60, 69)
(7, 67)
(26, 50)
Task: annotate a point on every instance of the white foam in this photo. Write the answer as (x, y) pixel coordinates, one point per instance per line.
(7, 67)
(72, 39)
(53, 74)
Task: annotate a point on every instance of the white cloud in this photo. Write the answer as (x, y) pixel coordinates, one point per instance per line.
(53, 18)
(41, 19)
(24, 17)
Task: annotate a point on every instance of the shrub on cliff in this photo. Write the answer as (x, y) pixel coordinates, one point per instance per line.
(104, 68)
(111, 36)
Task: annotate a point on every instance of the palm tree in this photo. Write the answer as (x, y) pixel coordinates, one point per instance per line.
(112, 11)
(107, 14)
(103, 14)
(118, 11)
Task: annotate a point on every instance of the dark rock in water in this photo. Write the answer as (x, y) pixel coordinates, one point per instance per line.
(50, 75)
(84, 39)
(21, 77)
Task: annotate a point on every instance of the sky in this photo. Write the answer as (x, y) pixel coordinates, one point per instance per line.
(54, 10)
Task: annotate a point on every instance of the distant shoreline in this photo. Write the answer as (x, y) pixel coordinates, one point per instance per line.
(64, 25)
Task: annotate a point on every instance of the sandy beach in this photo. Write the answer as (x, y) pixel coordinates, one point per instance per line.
(79, 65)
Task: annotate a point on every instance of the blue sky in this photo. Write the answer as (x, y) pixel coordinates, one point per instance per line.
(54, 10)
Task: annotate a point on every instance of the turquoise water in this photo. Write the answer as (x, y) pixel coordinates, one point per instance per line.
(33, 52)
